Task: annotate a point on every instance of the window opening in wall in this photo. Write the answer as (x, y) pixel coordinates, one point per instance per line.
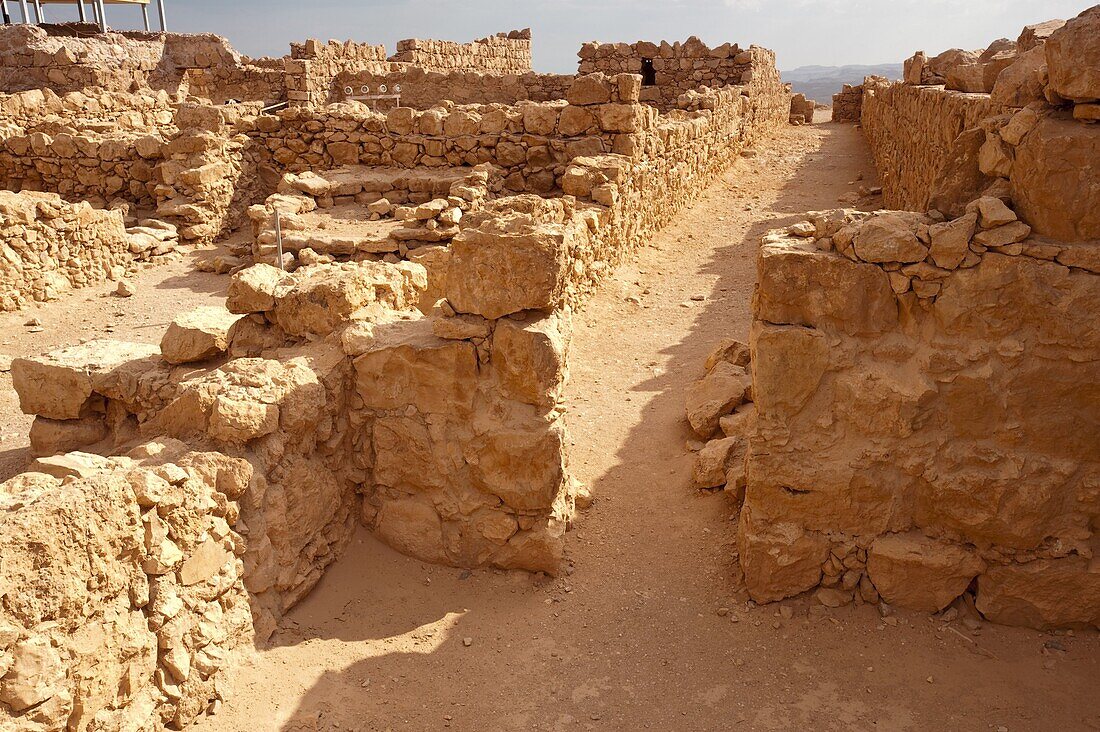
(649, 76)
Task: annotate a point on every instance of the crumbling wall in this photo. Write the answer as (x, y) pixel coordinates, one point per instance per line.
(670, 69)
(848, 103)
(89, 108)
(49, 246)
(925, 416)
(504, 53)
(34, 57)
(937, 148)
(123, 592)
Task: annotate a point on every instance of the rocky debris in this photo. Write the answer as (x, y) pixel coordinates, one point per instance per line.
(1073, 58)
(919, 573)
(197, 335)
(802, 110)
(722, 398)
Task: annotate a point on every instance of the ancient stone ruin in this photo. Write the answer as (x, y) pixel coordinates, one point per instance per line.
(405, 242)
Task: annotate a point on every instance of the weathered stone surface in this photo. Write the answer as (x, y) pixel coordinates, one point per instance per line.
(1054, 184)
(52, 436)
(197, 335)
(724, 388)
(803, 286)
(714, 461)
(1042, 593)
(951, 240)
(1022, 82)
(1073, 57)
(252, 290)
(889, 237)
(778, 559)
(531, 357)
(913, 571)
(58, 384)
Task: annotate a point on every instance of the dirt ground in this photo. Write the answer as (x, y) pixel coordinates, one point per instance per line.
(649, 628)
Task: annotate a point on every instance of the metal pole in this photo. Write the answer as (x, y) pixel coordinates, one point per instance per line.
(38, 12)
(279, 237)
(102, 16)
(81, 11)
(95, 12)
(23, 10)
(4, 8)
(145, 16)
(160, 11)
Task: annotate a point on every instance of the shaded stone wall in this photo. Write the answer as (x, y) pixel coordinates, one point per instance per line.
(504, 53)
(848, 103)
(925, 416)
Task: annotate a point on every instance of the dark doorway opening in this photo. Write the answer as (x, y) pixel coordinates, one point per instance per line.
(649, 76)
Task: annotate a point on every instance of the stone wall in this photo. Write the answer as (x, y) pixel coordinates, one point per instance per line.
(74, 58)
(49, 246)
(848, 103)
(670, 69)
(313, 65)
(925, 416)
(422, 89)
(504, 53)
(123, 591)
(938, 148)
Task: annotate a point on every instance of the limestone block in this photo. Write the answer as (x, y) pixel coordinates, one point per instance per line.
(779, 559)
(523, 466)
(890, 237)
(57, 385)
(407, 365)
(788, 365)
(52, 437)
(919, 573)
(508, 264)
(252, 290)
(1042, 594)
(724, 388)
(714, 461)
(529, 357)
(803, 286)
(589, 89)
(1073, 57)
(1055, 184)
(951, 240)
(197, 335)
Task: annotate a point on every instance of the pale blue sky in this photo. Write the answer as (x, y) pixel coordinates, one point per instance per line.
(827, 32)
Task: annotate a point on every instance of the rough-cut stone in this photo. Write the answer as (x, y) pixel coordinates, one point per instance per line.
(1042, 593)
(913, 571)
(714, 461)
(779, 559)
(252, 290)
(197, 335)
(1073, 57)
(57, 385)
(724, 388)
(951, 240)
(889, 238)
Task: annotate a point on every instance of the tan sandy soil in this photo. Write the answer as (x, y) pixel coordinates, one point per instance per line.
(632, 638)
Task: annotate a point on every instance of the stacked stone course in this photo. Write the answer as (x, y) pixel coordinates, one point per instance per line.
(848, 103)
(503, 53)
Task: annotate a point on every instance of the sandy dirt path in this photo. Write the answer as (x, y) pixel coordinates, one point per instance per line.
(649, 629)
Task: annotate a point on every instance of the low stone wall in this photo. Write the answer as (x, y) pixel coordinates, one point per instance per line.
(504, 53)
(925, 416)
(49, 246)
(670, 69)
(77, 57)
(81, 110)
(848, 104)
(83, 165)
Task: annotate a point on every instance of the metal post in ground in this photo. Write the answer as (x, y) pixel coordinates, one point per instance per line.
(102, 15)
(145, 16)
(38, 12)
(23, 10)
(160, 11)
(279, 237)
(81, 11)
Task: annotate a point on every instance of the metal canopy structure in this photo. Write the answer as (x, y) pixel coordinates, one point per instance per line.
(98, 10)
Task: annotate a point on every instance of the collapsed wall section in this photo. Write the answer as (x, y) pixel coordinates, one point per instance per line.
(312, 66)
(848, 103)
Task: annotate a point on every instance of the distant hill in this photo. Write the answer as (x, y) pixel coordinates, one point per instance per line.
(820, 83)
